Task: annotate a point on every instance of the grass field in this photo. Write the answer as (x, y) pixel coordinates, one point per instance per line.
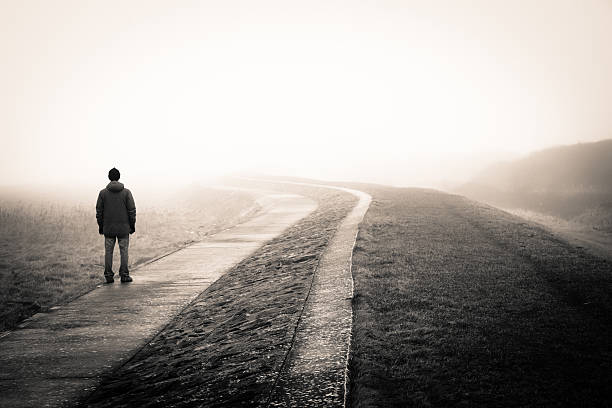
(51, 252)
(459, 304)
(596, 240)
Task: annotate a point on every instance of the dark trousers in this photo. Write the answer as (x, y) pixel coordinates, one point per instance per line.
(109, 246)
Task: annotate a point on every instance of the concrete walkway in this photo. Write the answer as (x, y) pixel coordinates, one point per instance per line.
(315, 372)
(56, 358)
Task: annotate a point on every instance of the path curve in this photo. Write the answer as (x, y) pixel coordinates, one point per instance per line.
(315, 373)
(58, 357)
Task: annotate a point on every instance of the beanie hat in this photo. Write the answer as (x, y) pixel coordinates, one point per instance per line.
(113, 174)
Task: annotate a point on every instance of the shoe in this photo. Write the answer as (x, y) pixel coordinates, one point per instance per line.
(126, 279)
(109, 279)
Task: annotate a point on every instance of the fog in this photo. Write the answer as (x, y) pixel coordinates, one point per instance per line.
(398, 92)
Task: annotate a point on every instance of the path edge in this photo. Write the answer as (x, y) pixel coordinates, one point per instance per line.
(361, 195)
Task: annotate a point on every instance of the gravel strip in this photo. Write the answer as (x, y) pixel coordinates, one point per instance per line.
(315, 372)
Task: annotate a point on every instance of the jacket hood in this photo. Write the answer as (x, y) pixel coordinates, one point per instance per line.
(114, 186)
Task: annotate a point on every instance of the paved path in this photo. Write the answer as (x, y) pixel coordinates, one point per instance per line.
(57, 357)
(315, 372)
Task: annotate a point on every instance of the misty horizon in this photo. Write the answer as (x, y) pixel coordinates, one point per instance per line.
(418, 93)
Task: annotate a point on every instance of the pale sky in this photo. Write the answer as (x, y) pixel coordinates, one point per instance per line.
(396, 91)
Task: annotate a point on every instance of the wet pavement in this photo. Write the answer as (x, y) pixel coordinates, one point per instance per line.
(315, 372)
(58, 357)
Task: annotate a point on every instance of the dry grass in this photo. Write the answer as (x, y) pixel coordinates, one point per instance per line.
(460, 304)
(597, 240)
(51, 252)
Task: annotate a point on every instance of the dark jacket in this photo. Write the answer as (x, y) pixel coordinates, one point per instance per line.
(116, 210)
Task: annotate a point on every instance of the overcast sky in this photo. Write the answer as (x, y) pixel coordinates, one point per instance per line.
(181, 90)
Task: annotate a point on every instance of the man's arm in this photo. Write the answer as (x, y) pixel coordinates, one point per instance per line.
(100, 213)
(131, 209)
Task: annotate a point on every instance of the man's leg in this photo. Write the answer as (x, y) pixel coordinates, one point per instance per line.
(109, 246)
(124, 243)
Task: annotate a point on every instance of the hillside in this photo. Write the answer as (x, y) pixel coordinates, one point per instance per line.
(584, 167)
(458, 304)
(570, 182)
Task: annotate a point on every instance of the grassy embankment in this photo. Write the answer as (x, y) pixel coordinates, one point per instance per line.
(227, 348)
(51, 252)
(459, 304)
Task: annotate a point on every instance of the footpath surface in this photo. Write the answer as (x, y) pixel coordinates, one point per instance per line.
(58, 357)
(315, 371)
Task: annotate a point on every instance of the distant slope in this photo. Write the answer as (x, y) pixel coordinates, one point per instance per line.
(571, 182)
(584, 167)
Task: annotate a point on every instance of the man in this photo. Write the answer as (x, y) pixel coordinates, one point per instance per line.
(116, 215)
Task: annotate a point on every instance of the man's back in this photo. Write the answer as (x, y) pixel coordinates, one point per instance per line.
(116, 209)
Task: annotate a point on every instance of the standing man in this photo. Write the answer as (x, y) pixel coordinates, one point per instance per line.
(116, 215)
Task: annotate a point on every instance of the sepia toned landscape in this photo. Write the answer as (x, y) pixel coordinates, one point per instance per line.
(340, 204)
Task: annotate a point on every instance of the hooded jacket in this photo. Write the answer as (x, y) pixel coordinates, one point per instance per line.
(116, 210)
